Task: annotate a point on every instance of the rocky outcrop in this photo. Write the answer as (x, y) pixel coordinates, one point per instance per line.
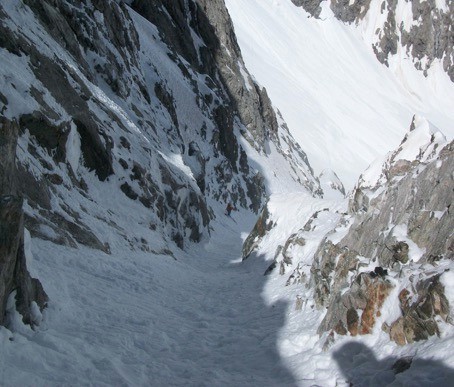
(219, 56)
(311, 6)
(421, 28)
(430, 36)
(263, 224)
(400, 224)
(365, 295)
(348, 11)
(420, 307)
(14, 276)
(405, 198)
(251, 101)
(426, 39)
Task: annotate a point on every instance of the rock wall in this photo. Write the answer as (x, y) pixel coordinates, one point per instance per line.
(311, 6)
(155, 110)
(380, 260)
(220, 57)
(14, 276)
(401, 235)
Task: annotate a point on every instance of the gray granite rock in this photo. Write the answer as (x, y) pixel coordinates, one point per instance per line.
(405, 214)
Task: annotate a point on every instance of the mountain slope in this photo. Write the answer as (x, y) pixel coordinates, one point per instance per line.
(343, 106)
(138, 121)
(369, 279)
(117, 118)
(127, 140)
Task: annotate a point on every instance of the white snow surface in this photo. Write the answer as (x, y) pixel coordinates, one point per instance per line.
(423, 143)
(342, 106)
(73, 151)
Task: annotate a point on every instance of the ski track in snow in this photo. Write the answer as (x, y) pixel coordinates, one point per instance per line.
(139, 319)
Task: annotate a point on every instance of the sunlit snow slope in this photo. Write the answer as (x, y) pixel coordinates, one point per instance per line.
(342, 105)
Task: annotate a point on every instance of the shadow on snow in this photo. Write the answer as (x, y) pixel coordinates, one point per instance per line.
(360, 367)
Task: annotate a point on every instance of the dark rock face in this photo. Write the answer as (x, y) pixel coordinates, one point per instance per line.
(8, 144)
(252, 103)
(14, 275)
(348, 11)
(262, 225)
(311, 6)
(220, 58)
(95, 149)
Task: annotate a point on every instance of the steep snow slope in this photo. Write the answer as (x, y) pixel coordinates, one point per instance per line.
(139, 319)
(205, 319)
(343, 106)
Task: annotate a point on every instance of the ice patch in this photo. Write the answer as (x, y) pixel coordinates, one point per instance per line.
(73, 150)
(447, 280)
(245, 76)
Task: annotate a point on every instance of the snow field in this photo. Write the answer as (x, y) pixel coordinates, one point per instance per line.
(342, 106)
(134, 318)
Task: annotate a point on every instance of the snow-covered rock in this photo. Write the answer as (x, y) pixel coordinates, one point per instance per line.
(421, 144)
(29, 297)
(419, 28)
(375, 271)
(331, 185)
(139, 114)
(401, 224)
